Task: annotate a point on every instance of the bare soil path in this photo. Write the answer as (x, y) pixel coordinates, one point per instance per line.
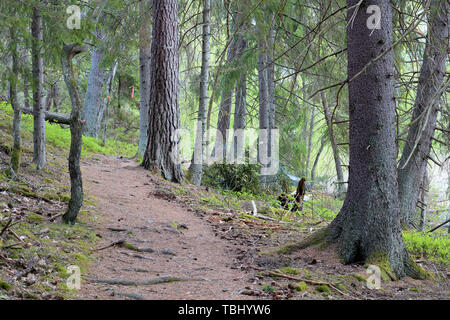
(125, 200)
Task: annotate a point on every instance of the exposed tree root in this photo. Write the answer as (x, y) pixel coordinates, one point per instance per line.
(134, 296)
(137, 256)
(271, 273)
(318, 237)
(152, 281)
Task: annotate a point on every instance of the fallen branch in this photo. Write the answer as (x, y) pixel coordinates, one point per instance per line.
(282, 275)
(435, 228)
(115, 243)
(152, 281)
(51, 116)
(6, 227)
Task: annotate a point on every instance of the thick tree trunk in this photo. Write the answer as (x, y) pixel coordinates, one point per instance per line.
(367, 229)
(39, 157)
(162, 152)
(93, 97)
(144, 60)
(417, 147)
(200, 143)
(104, 111)
(76, 126)
(334, 146)
(17, 141)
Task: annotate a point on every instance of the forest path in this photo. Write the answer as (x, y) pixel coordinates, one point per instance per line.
(124, 199)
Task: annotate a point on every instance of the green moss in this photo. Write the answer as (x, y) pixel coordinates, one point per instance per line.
(319, 237)
(359, 277)
(341, 286)
(34, 218)
(5, 285)
(381, 260)
(15, 159)
(61, 270)
(268, 288)
(81, 261)
(301, 286)
(414, 290)
(418, 272)
(289, 270)
(57, 197)
(323, 288)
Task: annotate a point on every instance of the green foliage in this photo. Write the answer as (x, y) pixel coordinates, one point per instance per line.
(234, 177)
(433, 247)
(60, 137)
(268, 288)
(301, 286)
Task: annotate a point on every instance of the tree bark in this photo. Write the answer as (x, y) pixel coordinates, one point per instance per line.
(337, 160)
(39, 156)
(162, 152)
(367, 229)
(423, 199)
(316, 161)
(417, 147)
(144, 60)
(240, 99)
(93, 97)
(196, 167)
(103, 114)
(224, 118)
(17, 141)
(264, 106)
(76, 126)
(53, 117)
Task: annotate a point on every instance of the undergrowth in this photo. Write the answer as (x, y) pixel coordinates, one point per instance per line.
(430, 246)
(59, 136)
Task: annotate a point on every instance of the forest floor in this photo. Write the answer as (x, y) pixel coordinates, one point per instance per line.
(196, 247)
(159, 240)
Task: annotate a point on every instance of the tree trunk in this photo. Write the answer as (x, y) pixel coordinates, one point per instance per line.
(240, 100)
(264, 105)
(200, 143)
(423, 199)
(417, 147)
(316, 161)
(310, 137)
(337, 160)
(76, 199)
(55, 97)
(162, 152)
(39, 157)
(223, 120)
(17, 141)
(367, 229)
(93, 97)
(144, 60)
(104, 110)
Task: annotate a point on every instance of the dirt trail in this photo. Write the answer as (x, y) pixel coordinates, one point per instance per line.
(125, 200)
